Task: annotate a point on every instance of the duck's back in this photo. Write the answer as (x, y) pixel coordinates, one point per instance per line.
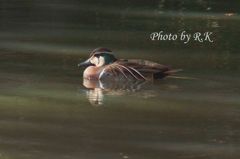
(135, 69)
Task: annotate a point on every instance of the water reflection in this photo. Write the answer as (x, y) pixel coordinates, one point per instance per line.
(96, 89)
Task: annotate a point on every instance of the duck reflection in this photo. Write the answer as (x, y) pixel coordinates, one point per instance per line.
(96, 89)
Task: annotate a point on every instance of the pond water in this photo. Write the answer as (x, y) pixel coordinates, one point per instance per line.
(48, 111)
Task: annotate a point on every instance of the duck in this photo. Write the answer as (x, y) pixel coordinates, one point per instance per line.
(103, 65)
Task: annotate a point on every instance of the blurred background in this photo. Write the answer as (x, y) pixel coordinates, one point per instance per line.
(77, 27)
(46, 112)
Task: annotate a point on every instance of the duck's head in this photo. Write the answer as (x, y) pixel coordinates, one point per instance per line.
(99, 57)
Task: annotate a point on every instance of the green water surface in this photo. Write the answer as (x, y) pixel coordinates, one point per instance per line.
(46, 112)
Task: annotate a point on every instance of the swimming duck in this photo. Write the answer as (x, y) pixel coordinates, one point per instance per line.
(103, 65)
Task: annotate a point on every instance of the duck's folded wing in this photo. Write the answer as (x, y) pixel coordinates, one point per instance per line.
(121, 71)
(147, 68)
(135, 69)
(144, 64)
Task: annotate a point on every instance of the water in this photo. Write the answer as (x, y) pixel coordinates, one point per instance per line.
(48, 111)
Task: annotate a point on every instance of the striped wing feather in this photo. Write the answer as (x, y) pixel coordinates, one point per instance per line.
(136, 69)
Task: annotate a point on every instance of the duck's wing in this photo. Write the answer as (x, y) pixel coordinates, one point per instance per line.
(120, 71)
(147, 68)
(142, 63)
(135, 69)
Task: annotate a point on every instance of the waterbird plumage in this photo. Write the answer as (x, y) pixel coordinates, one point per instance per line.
(102, 64)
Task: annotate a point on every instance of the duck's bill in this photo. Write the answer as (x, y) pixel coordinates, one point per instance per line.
(85, 63)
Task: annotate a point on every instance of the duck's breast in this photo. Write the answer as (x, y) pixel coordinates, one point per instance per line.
(91, 73)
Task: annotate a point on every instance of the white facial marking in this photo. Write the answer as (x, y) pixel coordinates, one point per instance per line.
(94, 60)
(101, 61)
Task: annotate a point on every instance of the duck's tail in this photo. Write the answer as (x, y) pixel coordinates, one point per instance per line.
(171, 74)
(182, 77)
(161, 74)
